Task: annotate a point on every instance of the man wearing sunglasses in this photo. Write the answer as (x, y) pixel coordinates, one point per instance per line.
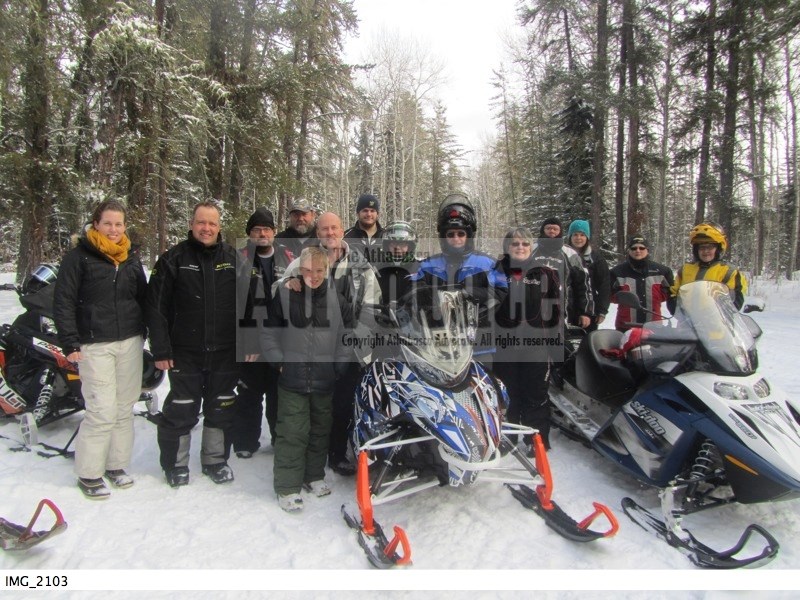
(649, 280)
(459, 266)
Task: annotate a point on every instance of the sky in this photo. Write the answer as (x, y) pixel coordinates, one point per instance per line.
(466, 34)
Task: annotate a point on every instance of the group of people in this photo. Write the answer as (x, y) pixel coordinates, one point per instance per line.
(261, 330)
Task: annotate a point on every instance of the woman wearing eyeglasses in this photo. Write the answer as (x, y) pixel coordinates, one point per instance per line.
(546, 285)
(649, 280)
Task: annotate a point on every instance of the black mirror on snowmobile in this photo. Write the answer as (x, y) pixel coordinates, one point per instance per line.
(628, 299)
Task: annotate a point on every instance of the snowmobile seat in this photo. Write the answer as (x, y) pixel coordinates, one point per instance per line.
(605, 379)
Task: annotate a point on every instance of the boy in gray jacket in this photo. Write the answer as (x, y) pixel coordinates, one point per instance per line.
(304, 339)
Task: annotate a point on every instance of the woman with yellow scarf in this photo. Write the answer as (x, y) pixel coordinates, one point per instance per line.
(99, 300)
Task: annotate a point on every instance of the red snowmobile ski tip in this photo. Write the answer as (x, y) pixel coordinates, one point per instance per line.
(19, 537)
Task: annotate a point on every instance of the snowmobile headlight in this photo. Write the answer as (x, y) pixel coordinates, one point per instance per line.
(761, 388)
(731, 391)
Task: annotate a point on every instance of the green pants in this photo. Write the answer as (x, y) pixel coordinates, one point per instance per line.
(301, 441)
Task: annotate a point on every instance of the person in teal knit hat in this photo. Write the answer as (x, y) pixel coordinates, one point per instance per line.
(578, 238)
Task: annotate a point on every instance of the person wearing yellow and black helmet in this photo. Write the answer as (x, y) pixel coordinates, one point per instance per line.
(709, 245)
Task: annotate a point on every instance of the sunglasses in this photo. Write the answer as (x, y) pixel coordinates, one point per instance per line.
(518, 244)
(637, 248)
(455, 234)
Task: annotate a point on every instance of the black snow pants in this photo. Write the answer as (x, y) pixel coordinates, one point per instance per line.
(256, 381)
(343, 402)
(198, 379)
(529, 402)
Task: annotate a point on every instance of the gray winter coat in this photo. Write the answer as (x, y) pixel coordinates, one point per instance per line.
(306, 337)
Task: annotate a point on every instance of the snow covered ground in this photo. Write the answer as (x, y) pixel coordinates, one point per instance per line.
(478, 538)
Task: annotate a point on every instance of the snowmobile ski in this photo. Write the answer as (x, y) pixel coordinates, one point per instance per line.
(539, 501)
(381, 552)
(701, 555)
(20, 537)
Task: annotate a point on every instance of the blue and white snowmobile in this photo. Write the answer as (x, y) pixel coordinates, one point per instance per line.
(684, 410)
(433, 417)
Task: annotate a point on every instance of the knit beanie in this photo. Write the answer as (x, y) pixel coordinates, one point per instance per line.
(551, 221)
(578, 226)
(368, 201)
(261, 218)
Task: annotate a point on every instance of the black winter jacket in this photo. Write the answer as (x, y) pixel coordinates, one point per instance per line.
(254, 294)
(305, 335)
(97, 301)
(530, 318)
(295, 243)
(370, 247)
(395, 279)
(191, 299)
(600, 279)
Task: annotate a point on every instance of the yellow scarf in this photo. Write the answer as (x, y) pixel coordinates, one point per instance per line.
(117, 253)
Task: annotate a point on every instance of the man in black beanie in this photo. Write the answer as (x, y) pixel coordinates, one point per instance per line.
(551, 228)
(366, 234)
(260, 263)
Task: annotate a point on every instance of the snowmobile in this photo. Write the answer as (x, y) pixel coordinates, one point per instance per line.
(432, 416)
(38, 385)
(680, 406)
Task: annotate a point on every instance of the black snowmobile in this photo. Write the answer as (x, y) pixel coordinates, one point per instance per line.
(38, 385)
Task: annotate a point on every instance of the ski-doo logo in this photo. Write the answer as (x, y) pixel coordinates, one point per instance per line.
(648, 418)
(743, 427)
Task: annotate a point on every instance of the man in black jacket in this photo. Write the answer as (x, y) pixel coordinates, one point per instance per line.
(365, 235)
(191, 316)
(261, 263)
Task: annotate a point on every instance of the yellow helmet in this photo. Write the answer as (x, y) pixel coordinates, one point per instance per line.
(709, 233)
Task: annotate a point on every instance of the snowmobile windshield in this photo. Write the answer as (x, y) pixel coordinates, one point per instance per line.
(432, 331)
(706, 314)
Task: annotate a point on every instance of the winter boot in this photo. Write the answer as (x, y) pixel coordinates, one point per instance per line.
(319, 488)
(244, 454)
(218, 473)
(177, 476)
(290, 502)
(94, 489)
(341, 466)
(119, 478)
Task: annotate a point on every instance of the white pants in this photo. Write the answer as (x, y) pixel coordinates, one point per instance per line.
(111, 382)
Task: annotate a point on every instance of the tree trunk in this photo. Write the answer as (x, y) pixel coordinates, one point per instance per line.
(704, 184)
(600, 100)
(36, 91)
(636, 215)
(794, 232)
(728, 144)
(215, 64)
(754, 110)
(236, 181)
(165, 20)
(619, 178)
(661, 245)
